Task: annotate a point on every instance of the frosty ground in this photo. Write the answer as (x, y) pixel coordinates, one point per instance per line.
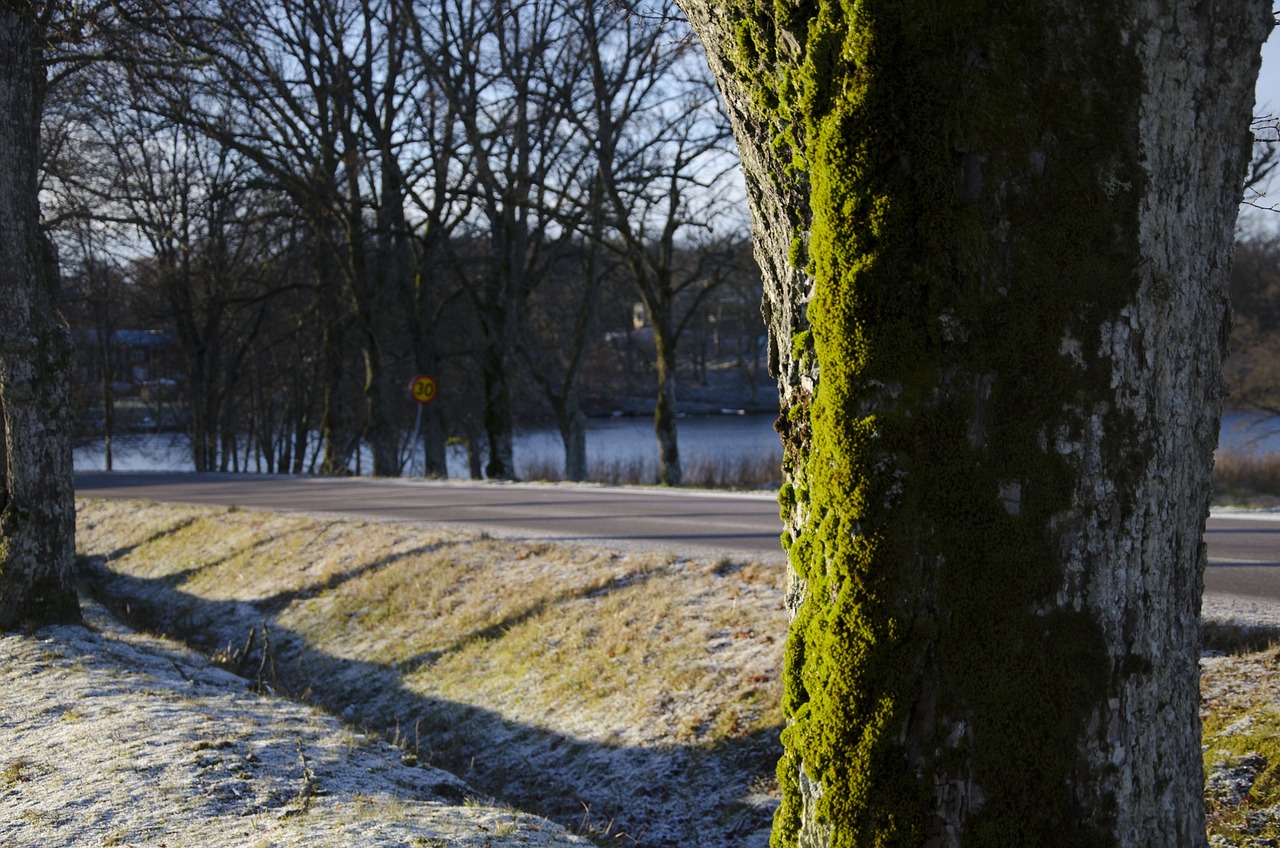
(631, 697)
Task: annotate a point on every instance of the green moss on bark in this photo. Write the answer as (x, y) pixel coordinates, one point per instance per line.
(972, 173)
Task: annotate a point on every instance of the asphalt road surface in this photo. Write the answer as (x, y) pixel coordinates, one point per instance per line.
(678, 520)
(1244, 549)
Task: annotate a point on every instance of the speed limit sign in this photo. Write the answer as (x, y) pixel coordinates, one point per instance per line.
(423, 388)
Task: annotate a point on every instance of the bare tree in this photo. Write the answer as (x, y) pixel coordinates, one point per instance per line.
(102, 290)
(510, 66)
(662, 151)
(560, 324)
(274, 82)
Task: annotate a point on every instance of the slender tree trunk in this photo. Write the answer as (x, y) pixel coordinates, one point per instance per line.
(474, 464)
(107, 393)
(300, 431)
(664, 411)
(497, 414)
(380, 429)
(435, 459)
(204, 446)
(374, 303)
(413, 286)
(995, 244)
(299, 416)
(572, 422)
(37, 509)
(333, 423)
(422, 328)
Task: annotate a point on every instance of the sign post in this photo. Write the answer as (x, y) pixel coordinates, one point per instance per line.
(422, 389)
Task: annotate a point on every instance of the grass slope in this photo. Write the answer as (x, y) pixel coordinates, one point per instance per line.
(630, 696)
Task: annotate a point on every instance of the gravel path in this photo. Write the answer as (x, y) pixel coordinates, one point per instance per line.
(116, 738)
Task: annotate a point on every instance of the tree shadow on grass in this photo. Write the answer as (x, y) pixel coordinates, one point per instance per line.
(155, 536)
(674, 796)
(275, 604)
(501, 626)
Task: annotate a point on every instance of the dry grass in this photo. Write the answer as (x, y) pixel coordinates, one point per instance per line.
(167, 750)
(743, 473)
(559, 677)
(634, 697)
(1246, 478)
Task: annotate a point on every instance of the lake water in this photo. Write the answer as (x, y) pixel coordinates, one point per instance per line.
(720, 438)
(1250, 433)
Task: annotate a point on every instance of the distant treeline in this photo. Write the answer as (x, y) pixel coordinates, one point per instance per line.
(274, 215)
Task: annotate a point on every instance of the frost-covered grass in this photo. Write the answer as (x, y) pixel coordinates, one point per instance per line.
(631, 696)
(118, 738)
(1240, 708)
(626, 694)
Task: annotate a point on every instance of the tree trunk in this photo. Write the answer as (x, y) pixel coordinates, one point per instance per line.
(572, 422)
(995, 244)
(474, 456)
(380, 427)
(104, 343)
(423, 329)
(664, 411)
(37, 509)
(497, 413)
(333, 420)
(204, 444)
(107, 394)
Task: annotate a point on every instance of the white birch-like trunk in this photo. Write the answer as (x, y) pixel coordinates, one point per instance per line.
(994, 525)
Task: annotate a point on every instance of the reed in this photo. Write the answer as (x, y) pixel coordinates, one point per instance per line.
(1239, 476)
(741, 473)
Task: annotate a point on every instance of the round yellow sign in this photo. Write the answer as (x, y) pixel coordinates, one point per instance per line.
(423, 388)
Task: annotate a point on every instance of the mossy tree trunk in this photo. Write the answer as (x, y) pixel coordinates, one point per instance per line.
(995, 240)
(37, 511)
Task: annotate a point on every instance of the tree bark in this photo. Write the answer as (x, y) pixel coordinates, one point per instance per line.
(422, 329)
(572, 422)
(498, 425)
(380, 431)
(106, 390)
(995, 244)
(37, 510)
(665, 410)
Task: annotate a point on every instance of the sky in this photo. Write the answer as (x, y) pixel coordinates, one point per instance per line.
(1266, 102)
(1268, 91)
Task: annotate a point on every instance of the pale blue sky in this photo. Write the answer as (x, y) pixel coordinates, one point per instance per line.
(1268, 92)
(1267, 103)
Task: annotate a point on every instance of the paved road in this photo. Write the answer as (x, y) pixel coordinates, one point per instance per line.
(1244, 555)
(676, 520)
(1244, 551)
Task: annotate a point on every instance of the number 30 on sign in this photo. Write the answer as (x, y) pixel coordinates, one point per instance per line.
(423, 388)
